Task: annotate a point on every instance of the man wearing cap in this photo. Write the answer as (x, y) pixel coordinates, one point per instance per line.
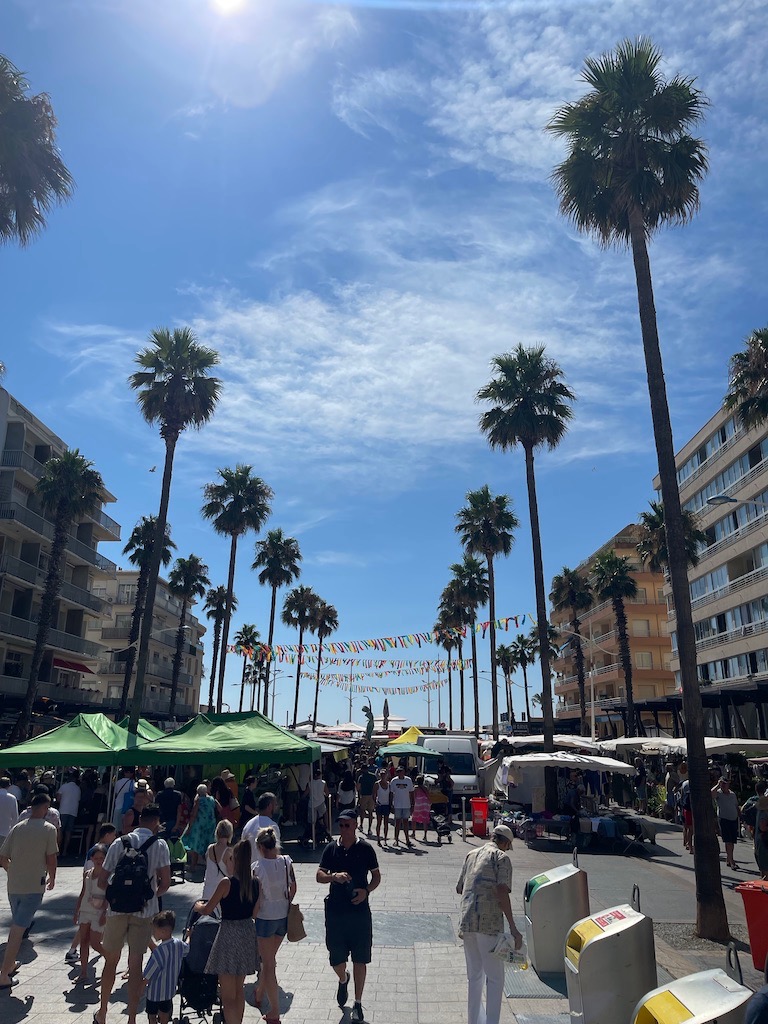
(484, 885)
(349, 866)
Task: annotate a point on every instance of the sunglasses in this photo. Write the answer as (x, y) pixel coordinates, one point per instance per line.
(346, 824)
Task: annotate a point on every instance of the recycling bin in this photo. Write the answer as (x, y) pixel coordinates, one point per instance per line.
(709, 997)
(755, 896)
(479, 806)
(610, 963)
(552, 902)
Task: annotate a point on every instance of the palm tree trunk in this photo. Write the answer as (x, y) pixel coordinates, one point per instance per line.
(214, 660)
(268, 664)
(541, 607)
(450, 693)
(170, 437)
(626, 663)
(508, 687)
(298, 677)
(138, 613)
(494, 684)
(177, 657)
(461, 679)
(45, 619)
(227, 619)
(317, 683)
(527, 701)
(242, 681)
(711, 917)
(475, 681)
(580, 678)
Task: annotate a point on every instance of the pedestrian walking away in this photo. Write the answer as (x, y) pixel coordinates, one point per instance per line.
(382, 795)
(350, 867)
(277, 887)
(366, 781)
(484, 885)
(135, 873)
(161, 975)
(9, 809)
(265, 818)
(727, 817)
(402, 803)
(29, 857)
(218, 858)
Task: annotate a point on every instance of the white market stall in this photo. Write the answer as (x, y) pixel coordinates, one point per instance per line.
(521, 776)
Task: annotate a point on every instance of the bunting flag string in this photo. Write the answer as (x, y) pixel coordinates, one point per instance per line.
(342, 682)
(390, 667)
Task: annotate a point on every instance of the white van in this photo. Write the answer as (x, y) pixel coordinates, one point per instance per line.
(461, 755)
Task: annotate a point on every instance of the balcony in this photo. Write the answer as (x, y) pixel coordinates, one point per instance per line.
(13, 686)
(57, 638)
(21, 460)
(15, 512)
(741, 633)
(153, 704)
(29, 573)
(747, 580)
(117, 668)
(107, 523)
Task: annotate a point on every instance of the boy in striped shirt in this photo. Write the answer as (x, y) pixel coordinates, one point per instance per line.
(161, 975)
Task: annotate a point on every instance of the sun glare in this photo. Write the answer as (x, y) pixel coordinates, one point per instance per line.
(226, 7)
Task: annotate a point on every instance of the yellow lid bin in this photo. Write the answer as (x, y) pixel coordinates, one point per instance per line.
(710, 997)
(552, 902)
(610, 963)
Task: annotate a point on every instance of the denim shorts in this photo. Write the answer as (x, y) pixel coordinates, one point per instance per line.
(24, 906)
(266, 929)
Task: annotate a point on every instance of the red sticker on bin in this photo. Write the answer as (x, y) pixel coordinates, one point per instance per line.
(606, 919)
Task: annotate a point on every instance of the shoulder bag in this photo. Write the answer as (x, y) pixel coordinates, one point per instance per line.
(296, 931)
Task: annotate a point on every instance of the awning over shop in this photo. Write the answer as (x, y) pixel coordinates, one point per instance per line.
(89, 740)
(73, 666)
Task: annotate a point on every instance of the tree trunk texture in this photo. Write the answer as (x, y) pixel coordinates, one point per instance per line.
(579, 651)
(138, 613)
(214, 662)
(177, 657)
(267, 663)
(298, 676)
(527, 700)
(450, 694)
(711, 917)
(170, 438)
(51, 590)
(461, 680)
(227, 620)
(626, 663)
(317, 683)
(494, 686)
(242, 681)
(541, 605)
(475, 680)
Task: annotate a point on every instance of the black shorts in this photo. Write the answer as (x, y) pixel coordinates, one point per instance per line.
(348, 934)
(161, 1006)
(729, 830)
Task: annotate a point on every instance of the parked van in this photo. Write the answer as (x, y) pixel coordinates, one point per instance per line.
(460, 752)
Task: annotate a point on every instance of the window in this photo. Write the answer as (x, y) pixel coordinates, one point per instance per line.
(660, 595)
(643, 659)
(126, 593)
(13, 664)
(641, 596)
(123, 621)
(641, 627)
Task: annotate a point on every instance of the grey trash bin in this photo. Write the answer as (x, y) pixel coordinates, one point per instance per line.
(553, 901)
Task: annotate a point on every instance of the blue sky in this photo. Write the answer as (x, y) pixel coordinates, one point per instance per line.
(351, 203)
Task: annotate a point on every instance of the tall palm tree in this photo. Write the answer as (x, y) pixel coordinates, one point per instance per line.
(485, 526)
(278, 557)
(506, 662)
(572, 591)
(215, 608)
(139, 550)
(187, 580)
(472, 590)
(298, 609)
(325, 620)
(445, 634)
(523, 649)
(453, 610)
(530, 407)
(748, 380)
(174, 388)
(633, 167)
(653, 543)
(614, 582)
(241, 502)
(68, 489)
(246, 639)
(33, 177)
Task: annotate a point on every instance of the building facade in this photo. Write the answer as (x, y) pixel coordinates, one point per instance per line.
(25, 542)
(649, 643)
(729, 586)
(112, 631)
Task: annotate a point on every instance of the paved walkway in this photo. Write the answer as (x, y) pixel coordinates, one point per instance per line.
(417, 974)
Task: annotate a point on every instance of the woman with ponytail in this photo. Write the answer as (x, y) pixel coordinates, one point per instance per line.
(277, 887)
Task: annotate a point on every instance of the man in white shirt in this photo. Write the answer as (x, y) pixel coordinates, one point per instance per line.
(51, 816)
(401, 788)
(263, 819)
(69, 804)
(9, 809)
(136, 927)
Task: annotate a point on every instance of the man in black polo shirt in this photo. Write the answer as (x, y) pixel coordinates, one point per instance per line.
(346, 865)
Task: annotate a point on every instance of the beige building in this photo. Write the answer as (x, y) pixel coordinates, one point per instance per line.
(112, 630)
(25, 542)
(729, 586)
(649, 642)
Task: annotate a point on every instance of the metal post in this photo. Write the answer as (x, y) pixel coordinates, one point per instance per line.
(592, 700)
(463, 819)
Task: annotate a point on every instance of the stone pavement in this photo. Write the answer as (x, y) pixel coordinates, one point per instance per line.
(417, 974)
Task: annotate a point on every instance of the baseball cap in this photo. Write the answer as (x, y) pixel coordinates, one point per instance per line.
(227, 775)
(503, 832)
(347, 815)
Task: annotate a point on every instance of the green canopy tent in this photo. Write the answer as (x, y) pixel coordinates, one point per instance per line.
(88, 741)
(408, 750)
(145, 730)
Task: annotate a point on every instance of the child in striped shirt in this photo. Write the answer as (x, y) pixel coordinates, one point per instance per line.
(161, 975)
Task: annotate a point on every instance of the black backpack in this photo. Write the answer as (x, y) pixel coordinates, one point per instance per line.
(131, 889)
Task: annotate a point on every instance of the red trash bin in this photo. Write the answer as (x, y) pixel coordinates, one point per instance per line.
(479, 806)
(755, 896)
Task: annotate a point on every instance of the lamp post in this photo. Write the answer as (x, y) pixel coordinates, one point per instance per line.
(726, 499)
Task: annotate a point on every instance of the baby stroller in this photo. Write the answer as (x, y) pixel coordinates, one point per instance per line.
(439, 823)
(198, 990)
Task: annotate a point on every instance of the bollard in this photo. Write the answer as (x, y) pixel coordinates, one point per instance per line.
(463, 819)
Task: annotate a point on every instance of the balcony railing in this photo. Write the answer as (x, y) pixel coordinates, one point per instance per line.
(748, 477)
(730, 588)
(21, 460)
(752, 629)
(154, 704)
(14, 686)
(22, 570)
(27, 629)
(117, 668)
(707, 465)
(107, 522)
(12, 510)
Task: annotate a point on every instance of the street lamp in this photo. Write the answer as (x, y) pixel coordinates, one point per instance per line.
(726, 499)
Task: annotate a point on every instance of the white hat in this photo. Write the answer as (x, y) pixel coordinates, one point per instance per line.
(227, 775)
(503, 832)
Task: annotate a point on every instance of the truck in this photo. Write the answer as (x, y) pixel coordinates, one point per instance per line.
(461, 754)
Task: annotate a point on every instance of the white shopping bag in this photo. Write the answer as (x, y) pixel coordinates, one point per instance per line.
(505, 951)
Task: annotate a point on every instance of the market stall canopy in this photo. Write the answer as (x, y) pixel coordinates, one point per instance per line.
(346, 727)
(628, 743)
(88, 741)
(246, 737)
(408, 750)
(568, 742)
(409, 736)
(144, 730)
(565, 759)
(712, 745)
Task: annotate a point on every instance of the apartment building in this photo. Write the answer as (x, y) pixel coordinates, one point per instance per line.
(729, 586)
(649, 643)
(112, 630)
(25, 540)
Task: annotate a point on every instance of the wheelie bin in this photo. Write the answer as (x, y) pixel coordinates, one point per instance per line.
(755, 896)
(479, 806)
(709, 997)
